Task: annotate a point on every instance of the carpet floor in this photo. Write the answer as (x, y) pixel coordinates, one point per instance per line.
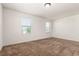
(44, 47)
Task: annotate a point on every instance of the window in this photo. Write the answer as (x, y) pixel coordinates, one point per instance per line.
(26, 25)
(47, 26)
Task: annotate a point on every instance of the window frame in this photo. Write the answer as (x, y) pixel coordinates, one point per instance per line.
(25, 27)
(47, 26)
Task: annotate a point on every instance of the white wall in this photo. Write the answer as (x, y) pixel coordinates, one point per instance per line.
(67, 28)
(0, 26)
(12, 28)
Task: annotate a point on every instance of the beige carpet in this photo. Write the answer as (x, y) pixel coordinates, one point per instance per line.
(45, 47)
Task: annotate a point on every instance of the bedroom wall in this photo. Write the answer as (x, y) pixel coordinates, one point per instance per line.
(0, 26)
(12, 27)
(67, 28)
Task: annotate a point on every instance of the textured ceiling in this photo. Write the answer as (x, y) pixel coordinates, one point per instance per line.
(55, 11)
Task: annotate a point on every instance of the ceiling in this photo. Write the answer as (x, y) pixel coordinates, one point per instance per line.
(55, 11)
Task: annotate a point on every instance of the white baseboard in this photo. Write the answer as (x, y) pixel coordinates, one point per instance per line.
(33, 39)
(67, 38)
